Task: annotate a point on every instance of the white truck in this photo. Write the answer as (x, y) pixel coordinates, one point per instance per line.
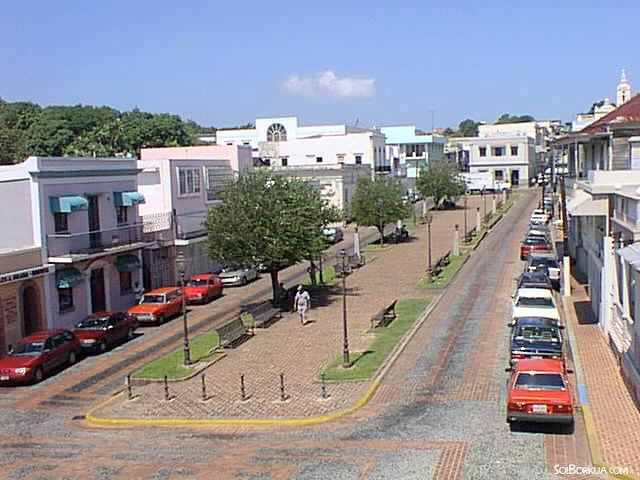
(482, 181)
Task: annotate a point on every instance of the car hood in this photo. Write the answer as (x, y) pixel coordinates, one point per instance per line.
(230, 273)
(545, 312)
(146, 308)
(541, 396)
(17, 362)
(85, 333)
(195, 290)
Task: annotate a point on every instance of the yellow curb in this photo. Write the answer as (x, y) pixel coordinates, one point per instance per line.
(178, 422)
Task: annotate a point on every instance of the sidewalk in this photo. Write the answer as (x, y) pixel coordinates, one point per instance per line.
(616, 420)
(298, 352)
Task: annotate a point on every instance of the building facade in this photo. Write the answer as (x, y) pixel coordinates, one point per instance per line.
(511, 159)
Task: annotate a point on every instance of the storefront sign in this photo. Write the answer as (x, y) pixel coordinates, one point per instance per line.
(25, 274)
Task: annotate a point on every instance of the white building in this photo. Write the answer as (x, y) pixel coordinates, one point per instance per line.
(180, 184)
(510, 158)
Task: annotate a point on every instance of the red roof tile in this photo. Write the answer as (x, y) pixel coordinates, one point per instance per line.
(628, 112)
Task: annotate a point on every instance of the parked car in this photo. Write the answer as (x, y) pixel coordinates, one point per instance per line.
(547, 263)
(100, 331)
(238, 276)
(333, 235)
(530, 339)
(539, 391)
(157, 306)
(533, 245)
(36, 355)
(203, 288)
(535, 279)
(535, 302)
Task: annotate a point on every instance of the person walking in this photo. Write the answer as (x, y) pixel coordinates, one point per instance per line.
(302, 303)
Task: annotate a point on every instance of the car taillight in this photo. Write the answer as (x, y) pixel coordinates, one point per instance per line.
(518, 356)
(562, 408)
(517, 405)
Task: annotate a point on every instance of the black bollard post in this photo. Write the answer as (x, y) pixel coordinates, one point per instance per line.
(283, 396)
(127, 380)
(166, 388)
(204, 389)
(324, 387)
(243, 396)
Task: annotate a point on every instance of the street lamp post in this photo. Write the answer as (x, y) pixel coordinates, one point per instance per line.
(428, 219)
(346, 363)
(181, 263)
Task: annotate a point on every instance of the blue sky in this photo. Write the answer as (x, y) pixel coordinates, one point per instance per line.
(224, 63)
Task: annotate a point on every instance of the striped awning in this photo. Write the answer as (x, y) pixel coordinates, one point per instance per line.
(68, 204)
(127, 199)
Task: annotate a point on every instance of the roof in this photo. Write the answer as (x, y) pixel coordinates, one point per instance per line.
(204, 276)
(41, 335)
(628, 112)
(160, 291)
(540, 365)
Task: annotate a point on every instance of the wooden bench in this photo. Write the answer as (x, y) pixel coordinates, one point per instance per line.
(385, 316)
(441, 263)
(263, 313)
(231, 332)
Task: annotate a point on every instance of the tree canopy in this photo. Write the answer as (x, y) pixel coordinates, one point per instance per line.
(466, 128)
(378, 202)
(269, 220)
(506, 118)
(440, 181)
(80, 130)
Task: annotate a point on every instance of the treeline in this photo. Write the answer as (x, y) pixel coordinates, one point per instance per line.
(469, 128)
(29, 129)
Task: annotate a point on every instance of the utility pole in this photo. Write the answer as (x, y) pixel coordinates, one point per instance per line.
(566, 265)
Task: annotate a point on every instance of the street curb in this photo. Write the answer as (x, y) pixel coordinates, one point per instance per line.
(584, 407)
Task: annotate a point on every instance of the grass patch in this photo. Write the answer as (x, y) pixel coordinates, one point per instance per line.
(446, 274)
(372, 247)
(367, 363)
(172, 364)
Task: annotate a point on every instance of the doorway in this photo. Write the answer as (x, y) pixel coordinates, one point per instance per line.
(30, 310)
(94, 222)
(515, 177)
(98, 297)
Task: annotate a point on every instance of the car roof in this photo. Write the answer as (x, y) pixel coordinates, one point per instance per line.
(204, 276)
(161, 291)
(534, 292)
(534, 275)
(42, 335)
(539, 365)
(546, 256)
(536, 322)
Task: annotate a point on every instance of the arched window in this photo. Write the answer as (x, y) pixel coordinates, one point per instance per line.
(276, 133)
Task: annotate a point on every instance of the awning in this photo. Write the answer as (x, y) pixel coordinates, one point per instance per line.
(72, 203)
(68, 277)
(591, 208)
(127, 199)
(631, 255)
(128, 263)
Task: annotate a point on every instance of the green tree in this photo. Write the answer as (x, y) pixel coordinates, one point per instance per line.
(466, 128)
(506, 118)
(440, 181)
(269, 220)
(378, 202)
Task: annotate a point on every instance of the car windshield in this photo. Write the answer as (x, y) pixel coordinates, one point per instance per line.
(199, 283)
(152, 299)
(537, 334)
(544, 262)
(26, 349)
(534, 302)
(540, 381)
(534, 241)
(92, 322)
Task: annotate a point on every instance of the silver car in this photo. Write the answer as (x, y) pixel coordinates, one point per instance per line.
(238, 276)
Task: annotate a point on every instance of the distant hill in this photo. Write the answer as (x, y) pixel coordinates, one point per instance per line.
(29, 129)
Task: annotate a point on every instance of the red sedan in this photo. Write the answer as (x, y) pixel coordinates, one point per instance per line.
(203, 288)
(533, 245)
(100, 331)
(38, 354)
(538, 391)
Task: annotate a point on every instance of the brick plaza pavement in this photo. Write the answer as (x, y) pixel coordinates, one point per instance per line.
(301, 352)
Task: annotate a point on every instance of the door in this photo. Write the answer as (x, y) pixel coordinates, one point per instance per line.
(515, 177)
(30, 310)
(94, 222)
(98, 300)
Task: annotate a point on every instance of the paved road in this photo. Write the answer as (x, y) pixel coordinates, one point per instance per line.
(439, 413)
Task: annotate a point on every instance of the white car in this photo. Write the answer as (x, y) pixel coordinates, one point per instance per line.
(546, 263)
(238, 276)
(534, 302)
(539, 216)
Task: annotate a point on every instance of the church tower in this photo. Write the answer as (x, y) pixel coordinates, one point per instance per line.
(623, 92)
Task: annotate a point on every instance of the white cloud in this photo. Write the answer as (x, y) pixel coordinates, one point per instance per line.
(328, 84)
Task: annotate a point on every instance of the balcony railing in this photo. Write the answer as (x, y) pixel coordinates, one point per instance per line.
(62, 244)
(165, 226)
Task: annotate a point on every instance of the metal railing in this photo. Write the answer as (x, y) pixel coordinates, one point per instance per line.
(60, 244)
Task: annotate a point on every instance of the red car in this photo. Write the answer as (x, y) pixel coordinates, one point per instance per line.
(36, 355)
(533, 245)
(203, 288)
(102, 330)
(538, 391)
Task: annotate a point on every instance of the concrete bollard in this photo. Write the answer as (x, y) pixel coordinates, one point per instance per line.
(493, 205)
(478, 224)
(456, 242)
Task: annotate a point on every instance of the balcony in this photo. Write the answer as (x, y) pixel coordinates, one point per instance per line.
(165, 227)
(75, 247)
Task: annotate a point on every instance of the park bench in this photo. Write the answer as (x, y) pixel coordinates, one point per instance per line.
(385, 316)
(263, 313)
(400, 235)
(355, 261)
(231, 332)
(441, 263)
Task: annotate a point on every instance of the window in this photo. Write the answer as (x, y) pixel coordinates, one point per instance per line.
(61, 221)
(318, 159)
(514, 150)
(122, 215)
(498, 151)
(358, 159)
(125, 282)
(246, 144)
(276, 133)
(483, 151)
(285, 162)
(340, 157)
(499, 175)
(217, 179)
(188, 181)
(65, 299)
